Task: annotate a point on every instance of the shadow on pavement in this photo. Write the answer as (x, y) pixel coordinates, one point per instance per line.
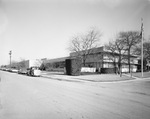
(59, 79)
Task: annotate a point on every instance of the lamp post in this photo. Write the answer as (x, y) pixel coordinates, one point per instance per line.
(10, 57)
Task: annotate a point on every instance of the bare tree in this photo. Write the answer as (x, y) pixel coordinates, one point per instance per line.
(130, 40)
(14, 64)
(82, 45)
(121, 51)
(146, 51)
(18, 65)
(38, 62)
(111, 47)
(116, 50)
(22, 64)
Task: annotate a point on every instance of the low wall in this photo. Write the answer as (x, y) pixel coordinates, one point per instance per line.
(125, 70)
(88, 69)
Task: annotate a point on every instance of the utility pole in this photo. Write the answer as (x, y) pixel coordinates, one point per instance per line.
(10, 57)
(142, 33)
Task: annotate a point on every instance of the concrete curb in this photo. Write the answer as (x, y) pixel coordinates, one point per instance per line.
(76, 79)
(60, 79)
(138, 78)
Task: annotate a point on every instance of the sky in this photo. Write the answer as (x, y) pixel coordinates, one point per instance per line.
(34, 29)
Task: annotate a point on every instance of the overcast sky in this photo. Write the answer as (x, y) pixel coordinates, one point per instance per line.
(42, 28)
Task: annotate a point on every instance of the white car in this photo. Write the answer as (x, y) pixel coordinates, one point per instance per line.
(33, 71)
(14, 70)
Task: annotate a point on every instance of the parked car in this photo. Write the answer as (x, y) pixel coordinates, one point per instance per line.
(3, 69)
(33, 71)
(22, 71)
(9, 70)
(14, 70)
(6, 69)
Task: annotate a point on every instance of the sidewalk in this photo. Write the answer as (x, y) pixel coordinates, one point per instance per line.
(88, 78)
(138, 75)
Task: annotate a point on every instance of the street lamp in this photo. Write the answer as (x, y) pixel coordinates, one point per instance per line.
(10, 57)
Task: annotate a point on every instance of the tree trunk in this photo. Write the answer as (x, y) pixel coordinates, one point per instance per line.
(120, 70)
(119, 64)
(129, 60)
(84, 61)
(115, 66)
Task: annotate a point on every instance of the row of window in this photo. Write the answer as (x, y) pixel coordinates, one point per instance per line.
(111, 65)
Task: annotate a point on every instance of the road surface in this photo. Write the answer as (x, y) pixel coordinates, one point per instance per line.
(24, 97)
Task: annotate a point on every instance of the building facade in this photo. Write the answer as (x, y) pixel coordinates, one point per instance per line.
(101, 58)
(97, 58)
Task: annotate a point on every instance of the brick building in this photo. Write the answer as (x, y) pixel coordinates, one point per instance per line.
(101, 58)
(98, 58)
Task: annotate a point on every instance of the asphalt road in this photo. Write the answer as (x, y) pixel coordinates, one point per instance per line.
(24, 97)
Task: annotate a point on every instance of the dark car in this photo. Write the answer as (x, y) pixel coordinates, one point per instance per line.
(22, 71)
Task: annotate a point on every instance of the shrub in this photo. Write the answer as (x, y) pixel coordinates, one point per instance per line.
(107, 70)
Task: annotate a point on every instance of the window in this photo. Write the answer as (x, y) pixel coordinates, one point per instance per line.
(105, 65)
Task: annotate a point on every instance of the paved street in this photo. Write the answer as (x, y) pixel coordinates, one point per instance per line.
(24, 97)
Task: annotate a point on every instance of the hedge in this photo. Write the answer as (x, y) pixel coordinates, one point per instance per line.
(107, 70)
